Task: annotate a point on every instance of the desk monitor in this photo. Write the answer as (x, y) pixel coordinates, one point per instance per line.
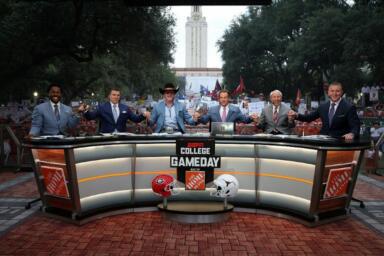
(226, 128)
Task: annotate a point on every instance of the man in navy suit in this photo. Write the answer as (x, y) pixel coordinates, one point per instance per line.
(169, 115)
(52, 117)
(339, 117)
(112, 114)
(224, 112)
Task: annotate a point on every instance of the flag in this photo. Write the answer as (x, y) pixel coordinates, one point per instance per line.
(204, 90)
(298, 97)
(216, 90)
(217, 86)
(240, 88)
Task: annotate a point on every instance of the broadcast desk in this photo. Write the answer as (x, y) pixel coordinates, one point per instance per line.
(309, 178)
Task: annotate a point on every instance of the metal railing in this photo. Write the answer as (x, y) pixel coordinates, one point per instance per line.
(20, 150)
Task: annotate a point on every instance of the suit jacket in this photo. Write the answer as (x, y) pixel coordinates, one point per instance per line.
(182, 115)
(44, 120)
(234, 115)
(107, 122)
(268, 125)
(345, 119)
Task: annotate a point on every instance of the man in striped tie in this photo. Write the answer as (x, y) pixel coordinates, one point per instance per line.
(274, 117)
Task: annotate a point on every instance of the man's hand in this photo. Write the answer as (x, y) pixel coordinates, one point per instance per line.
(28, 137)
(255, 118)
(147, 115)
(349, 136)
(83, 108)
(292, 115)
(196, 116)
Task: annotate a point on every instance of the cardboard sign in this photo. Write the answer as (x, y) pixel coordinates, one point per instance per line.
(337, 183)
(195, 180)
(54, 181)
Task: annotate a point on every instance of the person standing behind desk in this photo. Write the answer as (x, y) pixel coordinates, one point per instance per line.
(52, 117)
(339, 117)
(274, 117)
(169, 115)
(112, 114)
(224, 112)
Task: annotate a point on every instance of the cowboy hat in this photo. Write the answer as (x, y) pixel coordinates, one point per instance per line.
(168, 87)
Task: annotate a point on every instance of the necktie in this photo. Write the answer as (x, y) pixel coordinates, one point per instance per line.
(331, 113)
(224, 115)
(57, 113)
(115, 115)
(275, 115)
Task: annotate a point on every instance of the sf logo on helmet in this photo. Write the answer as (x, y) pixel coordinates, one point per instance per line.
(164, 185)
(225, 186)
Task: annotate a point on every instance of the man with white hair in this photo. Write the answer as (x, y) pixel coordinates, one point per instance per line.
(274, 117)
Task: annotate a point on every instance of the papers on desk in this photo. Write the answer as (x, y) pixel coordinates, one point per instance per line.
(50, 137)
(198, 134)
(107, 134)
(124, 134)
(166, 134)
(318, 137)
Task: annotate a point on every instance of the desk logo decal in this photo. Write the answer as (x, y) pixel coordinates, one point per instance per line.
(54, 181)
(337, 183)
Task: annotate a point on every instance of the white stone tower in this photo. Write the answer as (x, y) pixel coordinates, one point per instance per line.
(196, 39)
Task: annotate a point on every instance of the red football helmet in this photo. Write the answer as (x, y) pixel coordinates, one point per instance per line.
(164, 185)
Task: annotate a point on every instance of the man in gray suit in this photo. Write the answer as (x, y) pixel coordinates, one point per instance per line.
(274, 117)
(52, 117)
(224, 112)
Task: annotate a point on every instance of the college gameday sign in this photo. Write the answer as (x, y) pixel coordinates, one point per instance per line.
(195, 161)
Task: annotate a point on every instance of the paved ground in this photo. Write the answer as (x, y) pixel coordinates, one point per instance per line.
(27, 232)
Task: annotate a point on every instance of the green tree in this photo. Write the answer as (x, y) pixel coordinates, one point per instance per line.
(292, 44)
(83, 45)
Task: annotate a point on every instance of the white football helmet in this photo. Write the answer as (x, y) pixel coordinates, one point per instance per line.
(225, 186)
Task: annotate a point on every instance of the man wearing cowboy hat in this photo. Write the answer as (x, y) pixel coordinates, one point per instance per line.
(169, 115)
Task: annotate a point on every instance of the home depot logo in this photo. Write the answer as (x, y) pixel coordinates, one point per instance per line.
(195, 180)
(338, 180)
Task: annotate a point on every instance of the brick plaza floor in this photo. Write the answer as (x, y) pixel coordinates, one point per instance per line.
(27, 232)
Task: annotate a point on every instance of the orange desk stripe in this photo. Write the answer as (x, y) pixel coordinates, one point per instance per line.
(267, 175)
(118, 174)
(216, 172)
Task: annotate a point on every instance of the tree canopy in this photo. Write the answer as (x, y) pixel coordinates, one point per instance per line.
(84, 45)
(301, 44)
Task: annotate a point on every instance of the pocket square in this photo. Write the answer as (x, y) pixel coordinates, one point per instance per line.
(123, 112)
(340, 115)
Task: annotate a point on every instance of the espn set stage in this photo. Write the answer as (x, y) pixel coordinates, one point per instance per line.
(310, 178)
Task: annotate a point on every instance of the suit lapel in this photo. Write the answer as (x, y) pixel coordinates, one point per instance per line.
(270, 111)
(338, 110)
(50, 111)
(108, 110)
(230, 112)
(121, 109)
